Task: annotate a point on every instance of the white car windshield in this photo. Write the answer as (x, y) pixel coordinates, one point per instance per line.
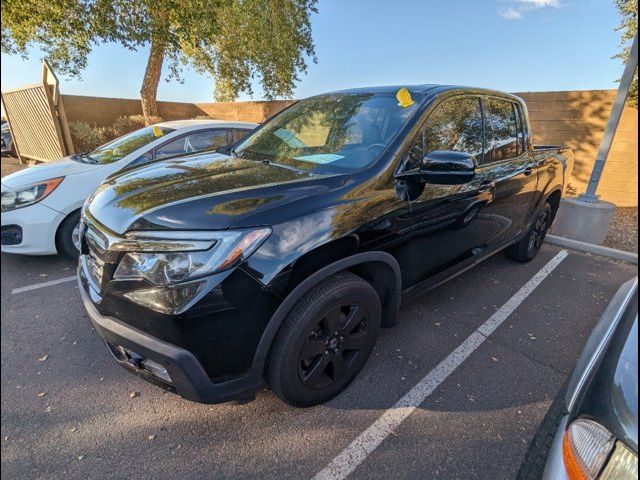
(123, 146)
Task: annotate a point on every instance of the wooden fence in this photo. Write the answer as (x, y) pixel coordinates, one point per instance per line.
(37, 120)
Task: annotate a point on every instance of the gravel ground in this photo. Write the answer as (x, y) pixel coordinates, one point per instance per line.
(623, 232)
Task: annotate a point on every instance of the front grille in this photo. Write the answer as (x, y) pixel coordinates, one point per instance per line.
(11, 235)
(95, 268)
(94, 246)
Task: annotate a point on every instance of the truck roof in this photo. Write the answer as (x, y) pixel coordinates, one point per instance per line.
(427, 88)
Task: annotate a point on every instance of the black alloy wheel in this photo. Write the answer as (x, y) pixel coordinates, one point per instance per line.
(325, 340)
(527, 248)
(332, 347)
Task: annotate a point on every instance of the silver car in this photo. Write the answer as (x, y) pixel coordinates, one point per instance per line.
(591, 430)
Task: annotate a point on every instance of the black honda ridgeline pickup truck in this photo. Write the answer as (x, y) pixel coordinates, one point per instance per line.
(279, 260)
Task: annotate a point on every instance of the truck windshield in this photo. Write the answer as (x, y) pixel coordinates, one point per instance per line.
(123, 146)
(333, 133)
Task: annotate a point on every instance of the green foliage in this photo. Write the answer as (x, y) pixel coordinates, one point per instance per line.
(629, 26)
(88, 137)
(123, 125)
(61, 28)
(233, 40)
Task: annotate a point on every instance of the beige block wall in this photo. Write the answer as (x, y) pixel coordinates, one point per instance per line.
(576, 119)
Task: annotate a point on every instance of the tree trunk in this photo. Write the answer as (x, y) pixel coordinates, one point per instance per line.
(149, 89)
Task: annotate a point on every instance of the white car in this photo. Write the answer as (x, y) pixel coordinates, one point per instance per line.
(41, 205)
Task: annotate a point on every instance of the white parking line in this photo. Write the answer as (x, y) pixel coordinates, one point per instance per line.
(43, 284)
(357, 452)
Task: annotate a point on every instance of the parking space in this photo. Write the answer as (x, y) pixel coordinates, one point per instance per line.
(69, 410)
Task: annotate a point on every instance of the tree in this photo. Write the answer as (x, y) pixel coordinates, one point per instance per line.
(629, 26)
(235, 41)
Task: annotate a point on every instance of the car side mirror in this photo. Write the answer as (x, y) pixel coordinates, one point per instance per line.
(447, 168)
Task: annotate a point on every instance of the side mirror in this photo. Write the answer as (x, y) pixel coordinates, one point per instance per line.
(224, 150)
(447, 168)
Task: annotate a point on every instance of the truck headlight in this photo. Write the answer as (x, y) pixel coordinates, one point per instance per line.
(165, 266)
(586, 447)
(29, 194)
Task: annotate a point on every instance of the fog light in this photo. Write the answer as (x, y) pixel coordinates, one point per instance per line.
(157, 370)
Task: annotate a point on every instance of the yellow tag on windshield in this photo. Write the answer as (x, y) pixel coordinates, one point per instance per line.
(157, 131)
(404, 98)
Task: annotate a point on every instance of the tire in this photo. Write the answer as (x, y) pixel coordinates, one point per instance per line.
(65, 236)
(527, 249)
(535, 460)
(325, 340)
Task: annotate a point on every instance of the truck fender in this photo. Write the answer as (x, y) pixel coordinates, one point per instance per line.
(391, 302)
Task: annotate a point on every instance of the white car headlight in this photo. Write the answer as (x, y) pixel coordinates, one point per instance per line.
(586, 448)
(29, 194)
(622, 466)
(160, 264)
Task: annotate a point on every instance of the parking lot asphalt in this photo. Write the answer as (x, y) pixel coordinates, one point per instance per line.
(69, 411)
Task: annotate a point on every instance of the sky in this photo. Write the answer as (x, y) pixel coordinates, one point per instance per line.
(510, 45)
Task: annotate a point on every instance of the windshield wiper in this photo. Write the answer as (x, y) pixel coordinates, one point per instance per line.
(84, 157)
(286, 167)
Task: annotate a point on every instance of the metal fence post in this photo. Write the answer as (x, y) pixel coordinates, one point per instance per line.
(612, 125)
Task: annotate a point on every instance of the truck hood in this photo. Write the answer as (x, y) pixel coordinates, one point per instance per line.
(203, 192)
(55, 168)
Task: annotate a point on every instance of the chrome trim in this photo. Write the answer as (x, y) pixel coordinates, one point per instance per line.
(580, 377)
(110, 244)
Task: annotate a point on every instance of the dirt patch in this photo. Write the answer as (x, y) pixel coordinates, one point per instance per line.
(10, 165)
(623, 232)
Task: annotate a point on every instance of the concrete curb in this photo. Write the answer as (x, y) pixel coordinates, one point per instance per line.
(594, 249)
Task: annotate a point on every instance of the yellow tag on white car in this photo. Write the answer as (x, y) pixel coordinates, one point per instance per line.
(404, 98)
(157, 131)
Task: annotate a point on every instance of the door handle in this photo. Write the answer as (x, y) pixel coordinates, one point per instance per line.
(528, 170)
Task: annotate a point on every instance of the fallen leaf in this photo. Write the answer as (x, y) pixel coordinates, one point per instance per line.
(43, 358)
(48, 409)
(73, 429)
(41, 394)
(134, 394)
(494, 359)
(80, 457)
(151, 437)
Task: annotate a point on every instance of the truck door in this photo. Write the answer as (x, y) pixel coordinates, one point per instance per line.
(509, 168)
(449, 226)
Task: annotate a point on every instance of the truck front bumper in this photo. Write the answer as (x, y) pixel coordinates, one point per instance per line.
(162, 363)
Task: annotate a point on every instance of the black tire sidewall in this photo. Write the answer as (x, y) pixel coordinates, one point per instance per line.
(283, 368)
(546, 209)
(64, 239)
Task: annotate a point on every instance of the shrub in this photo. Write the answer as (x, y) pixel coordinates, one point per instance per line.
(87, 137)
(128, 124)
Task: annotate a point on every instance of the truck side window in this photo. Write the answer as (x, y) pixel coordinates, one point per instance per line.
(455, 125)
(194, 142)
(501, 130)
(238, 134)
